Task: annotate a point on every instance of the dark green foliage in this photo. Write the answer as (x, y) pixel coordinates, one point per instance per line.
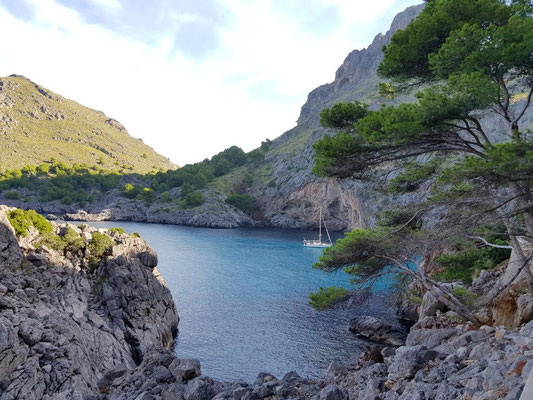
(73, 241)
(265, 145)
(243, 202)
(21, 220)
(248, 180)
(67, 200)
(166, 197)
(413, 175)
(14, 195)
(130, 191)
(148, 195)
(465, 265)
(57, 181)
(52, 241)
(80, 184)
(256, 156)
(194, 199)
(324, 298)
(98, 247)
(343, 115)
(409, 51)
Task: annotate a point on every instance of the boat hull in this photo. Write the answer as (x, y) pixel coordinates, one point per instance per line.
(317, 245)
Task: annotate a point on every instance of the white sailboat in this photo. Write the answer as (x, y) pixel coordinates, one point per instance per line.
(318, 243)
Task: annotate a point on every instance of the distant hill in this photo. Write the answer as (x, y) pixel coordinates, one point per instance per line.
(37, 125)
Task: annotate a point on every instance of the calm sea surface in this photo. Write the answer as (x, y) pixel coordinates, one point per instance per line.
(242, 300)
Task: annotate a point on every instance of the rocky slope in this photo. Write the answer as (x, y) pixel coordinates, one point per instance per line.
(65, 131)
(289, 194)
(298, 194)
(66, 318)
(73, 326)
(214, 213)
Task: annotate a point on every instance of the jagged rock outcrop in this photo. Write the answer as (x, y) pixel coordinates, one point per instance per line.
(377, 330)
(484, 364)
(65, 322)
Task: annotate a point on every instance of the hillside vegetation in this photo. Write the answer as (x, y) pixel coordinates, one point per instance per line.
(66, 131)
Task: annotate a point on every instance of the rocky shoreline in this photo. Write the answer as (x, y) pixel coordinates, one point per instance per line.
(76, 327)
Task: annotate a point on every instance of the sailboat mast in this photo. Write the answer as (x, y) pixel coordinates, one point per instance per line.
(320, 226)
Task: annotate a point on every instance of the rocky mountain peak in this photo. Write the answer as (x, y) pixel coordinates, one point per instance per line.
(359, 65)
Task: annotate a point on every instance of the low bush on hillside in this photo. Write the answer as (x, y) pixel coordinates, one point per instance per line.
(243, 202)
(98, 247)
(21, 220)
(81, 183)
(465, 265)
(194, 199)
(14, 195)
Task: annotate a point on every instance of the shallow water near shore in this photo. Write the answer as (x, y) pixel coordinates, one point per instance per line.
(242, 300)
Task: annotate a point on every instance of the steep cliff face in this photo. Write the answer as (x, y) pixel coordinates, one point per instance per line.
(66, 318)
(295, 195)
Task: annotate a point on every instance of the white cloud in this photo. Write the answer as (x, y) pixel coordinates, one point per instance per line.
(108, 3)
(249, 88)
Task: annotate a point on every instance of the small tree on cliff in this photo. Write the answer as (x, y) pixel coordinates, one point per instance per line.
(474, 59)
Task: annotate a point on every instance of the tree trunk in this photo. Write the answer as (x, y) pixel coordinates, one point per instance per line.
(446, 298)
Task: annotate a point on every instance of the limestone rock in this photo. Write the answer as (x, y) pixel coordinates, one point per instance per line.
(374, 329)
(10, 253)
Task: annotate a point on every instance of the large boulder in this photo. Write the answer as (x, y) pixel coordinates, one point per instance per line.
(377, 330)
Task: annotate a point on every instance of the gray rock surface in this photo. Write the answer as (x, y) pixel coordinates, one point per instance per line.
(377, 330)
(498, 370)
(67, 330)
(10, 253)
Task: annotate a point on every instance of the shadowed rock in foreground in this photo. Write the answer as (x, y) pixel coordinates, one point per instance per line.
(65, 322)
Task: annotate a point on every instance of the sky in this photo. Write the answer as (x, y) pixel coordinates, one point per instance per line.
(189, 77)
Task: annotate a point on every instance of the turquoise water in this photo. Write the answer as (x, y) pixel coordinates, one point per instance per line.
(242, 300)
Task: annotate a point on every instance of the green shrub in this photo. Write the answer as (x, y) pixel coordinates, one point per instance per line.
(324, 298)
(248, 180)
(130, 191)
(14, 195)
(52, 241)
(21, 220)
(148, 195)
(67, 200)
(243, 202)
(73, 241)
(166, 197)
(464, 265)
(194, 199)
(118, 229)
(98, 248)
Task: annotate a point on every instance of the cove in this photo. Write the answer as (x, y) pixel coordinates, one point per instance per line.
(242, 300)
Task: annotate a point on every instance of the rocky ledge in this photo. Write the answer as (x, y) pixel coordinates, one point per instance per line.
(73, 308)
(438, 363)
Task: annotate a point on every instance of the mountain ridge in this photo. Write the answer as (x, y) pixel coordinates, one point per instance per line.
(65, 131)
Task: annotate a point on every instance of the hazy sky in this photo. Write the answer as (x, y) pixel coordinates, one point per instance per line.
(189, 77)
